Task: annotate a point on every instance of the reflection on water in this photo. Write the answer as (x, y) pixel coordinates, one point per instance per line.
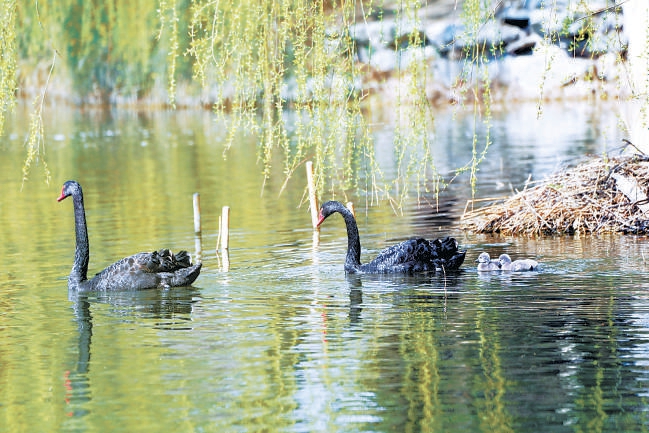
(76, 381)
(170, 309)
(284, 341)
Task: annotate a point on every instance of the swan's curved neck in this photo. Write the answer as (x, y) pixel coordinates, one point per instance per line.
(82, 252)
(353, 259)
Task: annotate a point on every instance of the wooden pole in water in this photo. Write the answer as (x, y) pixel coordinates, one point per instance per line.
(224, 235)
(350, 206)
(313, 200)
(225, 228)
(198, 247)
(197, 213)
(198, 244)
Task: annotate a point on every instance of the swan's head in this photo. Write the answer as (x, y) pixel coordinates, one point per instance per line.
(328, 208)
(504, 259)
(70, 187)
(484, 258)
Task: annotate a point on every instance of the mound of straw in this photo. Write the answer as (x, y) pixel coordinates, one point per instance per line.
(599, 196)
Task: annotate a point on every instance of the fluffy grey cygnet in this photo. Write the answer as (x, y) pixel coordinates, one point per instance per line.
(486, 264)
(506, 264)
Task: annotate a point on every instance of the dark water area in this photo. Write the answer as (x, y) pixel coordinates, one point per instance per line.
(284, 341)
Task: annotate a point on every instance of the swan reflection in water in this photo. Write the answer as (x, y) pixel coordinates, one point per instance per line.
(399, 288)
(169, 309)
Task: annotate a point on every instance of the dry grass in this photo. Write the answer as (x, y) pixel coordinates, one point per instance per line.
(603, 195)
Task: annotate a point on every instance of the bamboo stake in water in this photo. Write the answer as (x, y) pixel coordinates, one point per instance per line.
(350, 206)
(224, 236)
(225, 228)
(198, 247)
(225, 261)
(313, 200)
(197, 213)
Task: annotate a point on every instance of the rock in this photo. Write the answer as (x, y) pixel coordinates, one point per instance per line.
(528, 47)
(490, 40)
(516, 17)
(524, 46)
(384, 60)
(547, 21)
(372, 33)
(549, 69)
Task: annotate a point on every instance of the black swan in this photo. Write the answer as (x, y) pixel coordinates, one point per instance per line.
(413, 255)
(159, 269)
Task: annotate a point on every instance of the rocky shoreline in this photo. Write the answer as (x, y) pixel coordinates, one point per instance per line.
(526, 52)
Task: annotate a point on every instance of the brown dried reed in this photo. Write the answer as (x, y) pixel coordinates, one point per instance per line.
(593, 197)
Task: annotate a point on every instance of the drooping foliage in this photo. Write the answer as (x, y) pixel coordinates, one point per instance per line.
(286, 70)
(8, 56)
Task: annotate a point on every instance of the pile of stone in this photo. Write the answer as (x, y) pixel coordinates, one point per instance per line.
(528, 48)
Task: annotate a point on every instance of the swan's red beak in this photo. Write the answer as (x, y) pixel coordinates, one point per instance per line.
(320, 220)
(62, 196)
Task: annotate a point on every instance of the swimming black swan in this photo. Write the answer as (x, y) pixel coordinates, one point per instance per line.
(159, 269)
(413, 255)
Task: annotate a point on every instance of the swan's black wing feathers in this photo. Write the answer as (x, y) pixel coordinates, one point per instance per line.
(417, 255)
(447, 254)
(158, 269)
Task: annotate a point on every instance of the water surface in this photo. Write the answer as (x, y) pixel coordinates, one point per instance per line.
(284, 341)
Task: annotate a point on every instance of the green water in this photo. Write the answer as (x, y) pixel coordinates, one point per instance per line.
(283, 341)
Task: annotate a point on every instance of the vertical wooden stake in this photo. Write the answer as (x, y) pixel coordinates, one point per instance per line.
(225, 228)
(350, 206)
(224, 235)
(198, 247)
(313, 200)
(197, 213)
(225, 260)
(316, 242)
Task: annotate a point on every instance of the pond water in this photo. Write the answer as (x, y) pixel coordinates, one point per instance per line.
(284, 341)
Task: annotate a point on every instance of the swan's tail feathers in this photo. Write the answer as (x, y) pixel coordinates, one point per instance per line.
(165, 261)
(447, 253)
(183, 258)
(185, 276)
(456, 261)
(447, 247)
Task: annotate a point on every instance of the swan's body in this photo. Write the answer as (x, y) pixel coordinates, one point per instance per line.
(159, 269)
(506, 264)
(485, 264)
(411, 256)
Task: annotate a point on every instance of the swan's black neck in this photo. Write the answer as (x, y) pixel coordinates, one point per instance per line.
(82, 252)
(353, 259)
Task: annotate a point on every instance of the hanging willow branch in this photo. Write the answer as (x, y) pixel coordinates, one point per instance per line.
(35, 142)
(8, 55)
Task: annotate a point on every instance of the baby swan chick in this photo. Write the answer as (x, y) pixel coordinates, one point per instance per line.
(486, 264)
(506, 264)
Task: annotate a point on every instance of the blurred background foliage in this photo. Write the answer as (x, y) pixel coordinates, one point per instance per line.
(238, 58)
(285, 70)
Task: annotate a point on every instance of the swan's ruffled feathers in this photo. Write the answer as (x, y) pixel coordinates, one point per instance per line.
(146, 270)
(417, 255)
